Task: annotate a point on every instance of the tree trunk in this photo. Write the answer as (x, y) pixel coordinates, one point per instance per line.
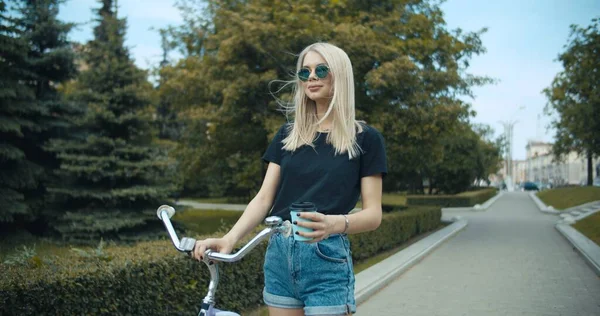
(430, 185)
(590, 167)
(419, 182)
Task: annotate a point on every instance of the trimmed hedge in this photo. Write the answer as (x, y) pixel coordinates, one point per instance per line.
(151, 278)
(464, 199)
(389, 208)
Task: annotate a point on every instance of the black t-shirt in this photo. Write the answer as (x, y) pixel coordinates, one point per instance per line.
(331, 182)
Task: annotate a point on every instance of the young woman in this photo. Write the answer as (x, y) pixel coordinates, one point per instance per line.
(327, 157)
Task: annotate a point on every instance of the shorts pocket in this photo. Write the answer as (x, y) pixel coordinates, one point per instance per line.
(332, 249)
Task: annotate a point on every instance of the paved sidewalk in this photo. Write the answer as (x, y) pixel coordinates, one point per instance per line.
(509, 260)
(212, 206)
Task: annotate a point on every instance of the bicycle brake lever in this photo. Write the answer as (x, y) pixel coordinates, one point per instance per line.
(286, 230)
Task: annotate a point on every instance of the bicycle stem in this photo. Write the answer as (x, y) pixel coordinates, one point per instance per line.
(214, 269)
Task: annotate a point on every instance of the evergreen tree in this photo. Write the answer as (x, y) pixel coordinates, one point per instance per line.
(50, 61)
(111, 177)
(18, 174)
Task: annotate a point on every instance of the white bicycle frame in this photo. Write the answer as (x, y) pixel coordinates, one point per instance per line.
(211, 259)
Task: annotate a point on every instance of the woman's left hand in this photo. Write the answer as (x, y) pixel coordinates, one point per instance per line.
(322, 225)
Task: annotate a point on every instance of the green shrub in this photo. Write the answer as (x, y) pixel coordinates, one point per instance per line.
(395, 229)
(151, 278)
(459, 200)
(393, 208)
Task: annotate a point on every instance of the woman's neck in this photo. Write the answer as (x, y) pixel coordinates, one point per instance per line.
(327, 124)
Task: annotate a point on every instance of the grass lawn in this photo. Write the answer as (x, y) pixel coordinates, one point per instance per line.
(206, 222)
(563, 198)
(590, 227)
(394, 199)
(221, 200)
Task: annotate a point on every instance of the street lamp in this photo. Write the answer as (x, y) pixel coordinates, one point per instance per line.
(508, 133)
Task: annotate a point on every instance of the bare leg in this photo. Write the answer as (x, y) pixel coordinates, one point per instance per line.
(275, 311)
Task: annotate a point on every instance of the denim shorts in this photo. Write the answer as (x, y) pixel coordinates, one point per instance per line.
(315, 276)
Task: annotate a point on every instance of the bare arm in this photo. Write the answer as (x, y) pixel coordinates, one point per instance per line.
(258, 208)
(366, 220)
(254, 213)
(370, 217)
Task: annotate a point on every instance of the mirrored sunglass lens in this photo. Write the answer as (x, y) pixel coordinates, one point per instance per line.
(322, 71)
(303, 74)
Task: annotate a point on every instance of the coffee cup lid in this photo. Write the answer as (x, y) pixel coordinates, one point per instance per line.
(303, 206)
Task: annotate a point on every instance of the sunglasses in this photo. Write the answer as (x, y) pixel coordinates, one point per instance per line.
(321, 71)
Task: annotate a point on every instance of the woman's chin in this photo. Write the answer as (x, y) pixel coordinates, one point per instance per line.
(317, 97)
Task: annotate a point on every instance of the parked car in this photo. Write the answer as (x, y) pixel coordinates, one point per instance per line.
(597, 182)
(530, 186)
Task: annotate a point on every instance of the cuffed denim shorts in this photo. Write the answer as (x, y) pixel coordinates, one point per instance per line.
(315, 276)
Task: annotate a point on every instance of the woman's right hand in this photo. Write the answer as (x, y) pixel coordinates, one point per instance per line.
(221, 245)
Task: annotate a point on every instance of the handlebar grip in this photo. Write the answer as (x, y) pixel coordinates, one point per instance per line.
(169, 209)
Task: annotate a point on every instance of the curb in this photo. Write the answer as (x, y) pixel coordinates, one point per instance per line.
(371, 280)
(541, 206)
(586, 214)
(477, 207)
(587, 248)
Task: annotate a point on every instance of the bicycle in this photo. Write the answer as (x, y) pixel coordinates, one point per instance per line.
(211, 259)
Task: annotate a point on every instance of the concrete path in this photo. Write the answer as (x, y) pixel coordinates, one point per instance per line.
(212, 206)
(509, 260)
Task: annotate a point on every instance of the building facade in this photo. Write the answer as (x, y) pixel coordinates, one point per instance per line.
(541, 167)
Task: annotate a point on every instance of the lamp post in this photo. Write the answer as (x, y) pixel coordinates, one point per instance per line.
(508, 133)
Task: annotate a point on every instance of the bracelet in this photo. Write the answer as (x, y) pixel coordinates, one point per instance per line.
(347, 224)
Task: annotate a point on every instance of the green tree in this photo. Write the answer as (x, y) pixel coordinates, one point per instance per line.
(167, 122)
(489, 152)
(574, 96)
(112, 176)
(51, 61)
(37, 57)
(467, 157)
(18, 174)
(409, 71)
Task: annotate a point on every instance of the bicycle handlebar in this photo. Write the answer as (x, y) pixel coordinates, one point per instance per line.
(186, 245)
(275, 223)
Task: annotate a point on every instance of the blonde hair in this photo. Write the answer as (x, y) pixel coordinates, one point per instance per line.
(345, 126)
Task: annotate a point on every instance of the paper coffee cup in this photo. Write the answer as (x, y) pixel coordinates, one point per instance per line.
(298, 208)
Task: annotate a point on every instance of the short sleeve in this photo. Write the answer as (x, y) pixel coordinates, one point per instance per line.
(273, 153)
(373, 159)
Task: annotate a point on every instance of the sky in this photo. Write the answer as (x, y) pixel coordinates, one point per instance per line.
(523, 41)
